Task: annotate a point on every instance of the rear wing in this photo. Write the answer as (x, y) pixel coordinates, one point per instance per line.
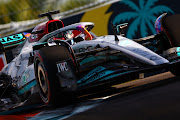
(6, 45)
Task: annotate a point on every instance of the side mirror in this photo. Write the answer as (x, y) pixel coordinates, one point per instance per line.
(120, 28)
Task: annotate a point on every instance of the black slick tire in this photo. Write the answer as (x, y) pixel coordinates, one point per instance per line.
(50, 88)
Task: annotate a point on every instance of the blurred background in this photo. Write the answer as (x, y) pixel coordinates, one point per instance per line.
(20, 10)
(21, 15)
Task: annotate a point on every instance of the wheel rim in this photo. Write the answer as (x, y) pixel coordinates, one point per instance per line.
(42, 79)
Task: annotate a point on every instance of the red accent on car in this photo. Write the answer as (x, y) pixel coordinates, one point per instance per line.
(28, 115)
(76, 33)
(11, 117)
(1, 64)
(45, 27)
(37, 54)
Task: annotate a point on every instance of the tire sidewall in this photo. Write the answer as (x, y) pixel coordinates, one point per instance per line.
(48, 64)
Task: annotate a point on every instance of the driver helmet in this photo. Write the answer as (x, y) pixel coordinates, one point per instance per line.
(158, 24)
(64, 35)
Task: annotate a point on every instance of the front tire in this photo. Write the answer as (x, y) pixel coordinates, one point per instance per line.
(51, 89)
(43, 83)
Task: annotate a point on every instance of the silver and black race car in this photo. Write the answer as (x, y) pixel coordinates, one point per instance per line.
(56, 63)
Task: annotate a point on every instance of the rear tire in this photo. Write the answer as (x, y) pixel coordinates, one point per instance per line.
(50, 89)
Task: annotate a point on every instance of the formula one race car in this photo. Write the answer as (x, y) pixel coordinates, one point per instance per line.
(57, 63)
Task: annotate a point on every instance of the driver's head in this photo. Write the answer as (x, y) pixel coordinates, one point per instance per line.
(64, 35)
(69, 35)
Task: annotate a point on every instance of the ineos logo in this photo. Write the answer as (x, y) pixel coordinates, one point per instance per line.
(62, 67)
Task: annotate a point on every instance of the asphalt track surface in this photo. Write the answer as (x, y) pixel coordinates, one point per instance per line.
(158, 101)
(152, 98)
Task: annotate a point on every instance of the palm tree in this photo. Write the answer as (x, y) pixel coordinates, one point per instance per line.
(143, 16)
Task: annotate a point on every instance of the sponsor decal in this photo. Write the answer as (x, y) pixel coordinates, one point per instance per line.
(146, 53)
(141, 52)
(11, 38)
(84, 49)
(62, 67)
